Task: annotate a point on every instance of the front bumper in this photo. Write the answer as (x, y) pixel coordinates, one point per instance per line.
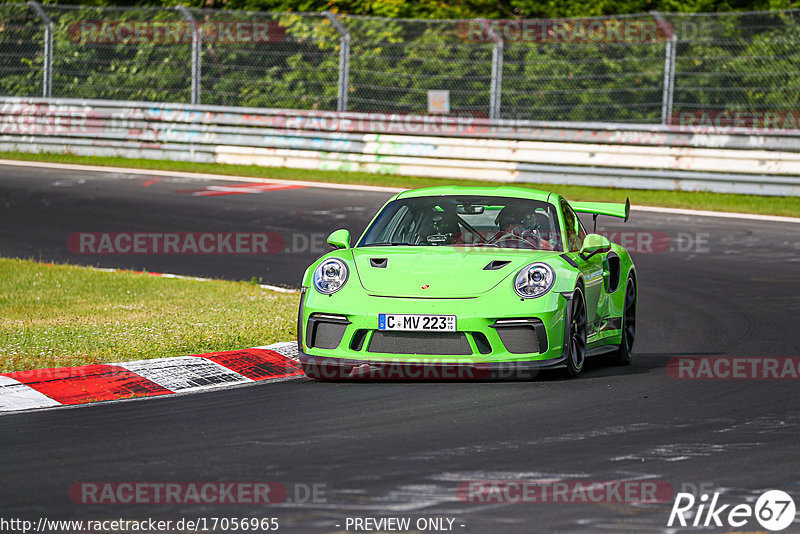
(323, 368)
(338, 336)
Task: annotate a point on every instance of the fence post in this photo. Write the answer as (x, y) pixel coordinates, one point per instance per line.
(197, 51)
(670, 55)
(344, 60)
(47, 62)
(669, 80)
(496, 87)
(497, 79)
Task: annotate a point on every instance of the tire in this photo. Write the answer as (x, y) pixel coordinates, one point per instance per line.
(576, 355)
(624, 354)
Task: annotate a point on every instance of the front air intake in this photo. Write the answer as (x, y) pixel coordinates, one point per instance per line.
(494, 265)
(325, 331)
(519, 339)
(424, 343)
(522, 336)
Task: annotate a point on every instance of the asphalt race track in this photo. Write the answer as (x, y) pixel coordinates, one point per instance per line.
(709, 287)
(41, 208)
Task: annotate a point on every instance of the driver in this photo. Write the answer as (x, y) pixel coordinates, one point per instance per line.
(519, 222)
(443, 226)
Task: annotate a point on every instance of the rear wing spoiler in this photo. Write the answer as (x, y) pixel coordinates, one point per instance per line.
(612, 209)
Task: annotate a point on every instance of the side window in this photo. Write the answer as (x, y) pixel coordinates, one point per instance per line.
(581, 231)
(575, 231)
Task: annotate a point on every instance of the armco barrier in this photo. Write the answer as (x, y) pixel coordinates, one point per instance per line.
(634, 156)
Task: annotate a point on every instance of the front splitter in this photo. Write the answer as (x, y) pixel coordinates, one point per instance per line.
(422, 369)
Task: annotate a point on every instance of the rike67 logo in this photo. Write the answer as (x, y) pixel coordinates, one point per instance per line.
(774, 510)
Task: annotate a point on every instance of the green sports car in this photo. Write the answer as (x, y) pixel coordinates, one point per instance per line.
(469, 282)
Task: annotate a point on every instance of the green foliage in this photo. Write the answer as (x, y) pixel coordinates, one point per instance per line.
(467, 9)
(21, 42)
(728, 61)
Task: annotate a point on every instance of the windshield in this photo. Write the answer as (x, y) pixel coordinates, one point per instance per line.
(466, 221)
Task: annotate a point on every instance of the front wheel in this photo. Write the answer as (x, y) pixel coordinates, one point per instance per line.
(576, 355)
(624, 355)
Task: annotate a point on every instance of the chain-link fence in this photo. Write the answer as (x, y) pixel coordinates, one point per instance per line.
(738, 61)
(647, 68)
(22, 50)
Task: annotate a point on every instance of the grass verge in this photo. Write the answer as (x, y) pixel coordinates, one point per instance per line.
(62, 315)
(788, 206)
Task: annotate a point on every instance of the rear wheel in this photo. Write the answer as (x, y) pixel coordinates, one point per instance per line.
(624, 355)
(576, 355)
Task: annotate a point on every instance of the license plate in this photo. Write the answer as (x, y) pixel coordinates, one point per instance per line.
(416, 322)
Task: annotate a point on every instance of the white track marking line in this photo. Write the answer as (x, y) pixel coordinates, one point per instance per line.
(185, 373)
(722, 214)
(356, 187)
(284, 348)
(14, 396)
(198, 175)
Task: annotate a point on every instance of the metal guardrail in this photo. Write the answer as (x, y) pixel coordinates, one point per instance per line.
(633, 156)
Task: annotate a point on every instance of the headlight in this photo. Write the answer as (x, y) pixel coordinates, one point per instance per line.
(330, 276)
(534, 280)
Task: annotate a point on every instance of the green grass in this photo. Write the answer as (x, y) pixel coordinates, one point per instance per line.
(61, 316)
(789, 206)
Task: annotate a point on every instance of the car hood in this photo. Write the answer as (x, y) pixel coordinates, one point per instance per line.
(437, 272)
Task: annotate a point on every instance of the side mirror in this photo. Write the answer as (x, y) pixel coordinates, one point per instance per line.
(339, 239)
(594, 244)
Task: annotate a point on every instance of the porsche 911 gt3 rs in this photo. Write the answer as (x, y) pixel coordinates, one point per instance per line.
(485, 279)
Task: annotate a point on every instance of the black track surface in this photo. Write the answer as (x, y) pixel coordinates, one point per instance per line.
(401, 449)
